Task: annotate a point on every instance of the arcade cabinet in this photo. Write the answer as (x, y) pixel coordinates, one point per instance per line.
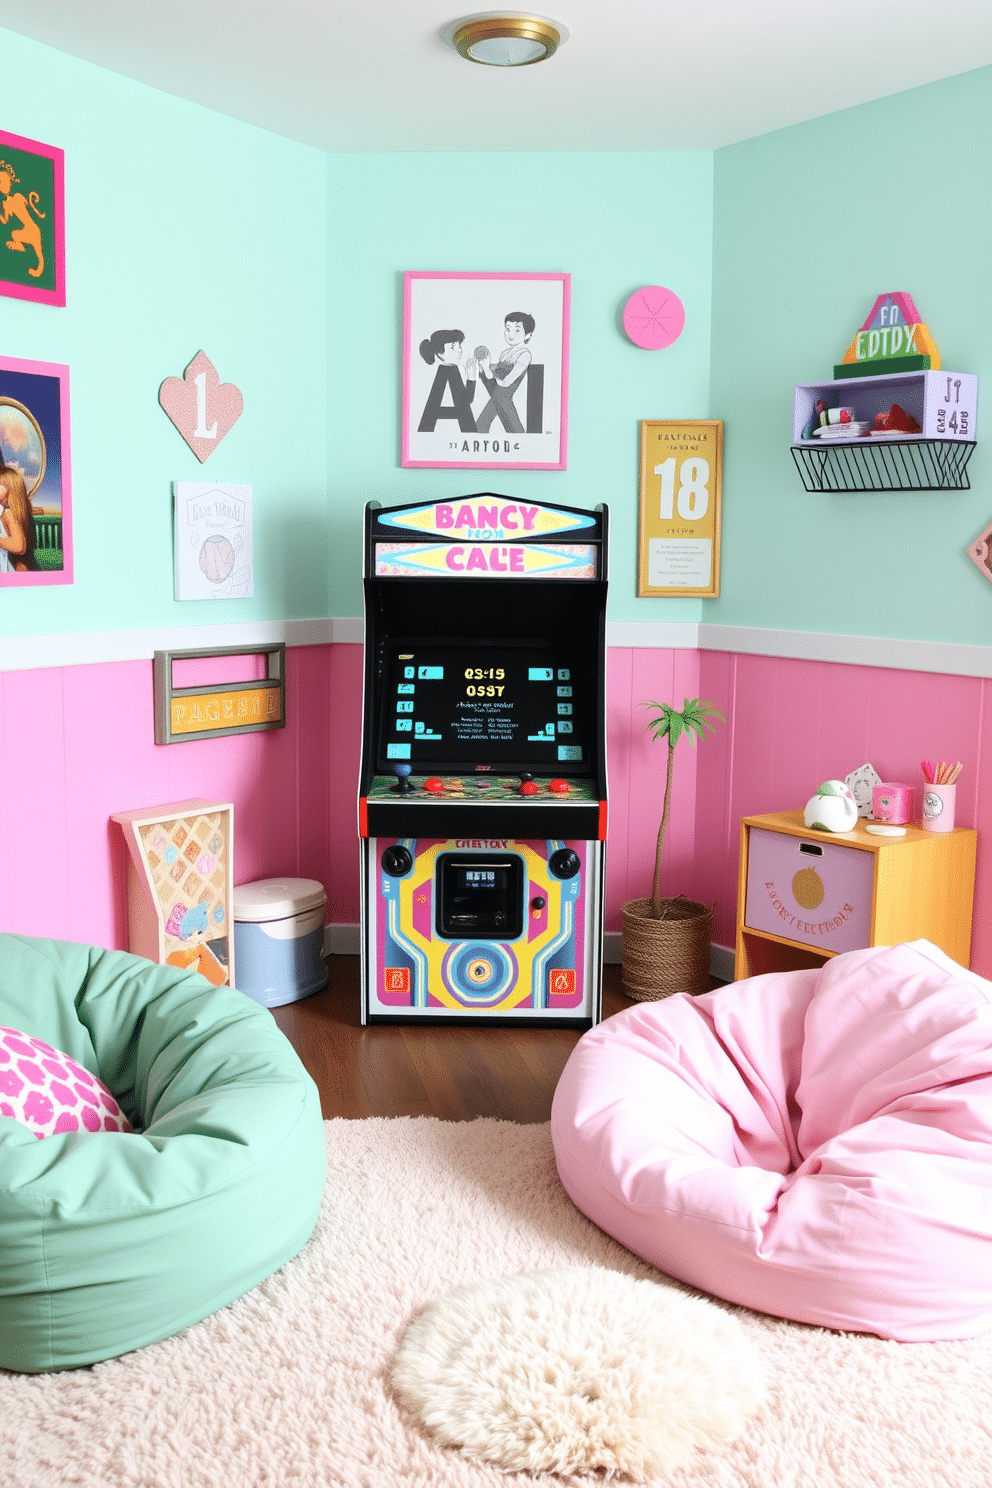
(482, 796)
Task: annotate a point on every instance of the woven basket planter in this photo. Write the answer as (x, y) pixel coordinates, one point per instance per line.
(661, 957)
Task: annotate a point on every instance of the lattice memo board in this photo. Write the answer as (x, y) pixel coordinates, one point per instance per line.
(179, 885)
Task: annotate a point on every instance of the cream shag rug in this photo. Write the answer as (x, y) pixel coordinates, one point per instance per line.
(578, 1369)
(290, 1386)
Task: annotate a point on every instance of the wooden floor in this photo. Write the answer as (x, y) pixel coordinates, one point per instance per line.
(412, 1070)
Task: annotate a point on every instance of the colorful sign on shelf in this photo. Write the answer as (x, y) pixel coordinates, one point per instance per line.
(892, 339)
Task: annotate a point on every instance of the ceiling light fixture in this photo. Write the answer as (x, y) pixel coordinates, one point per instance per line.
(501, 40)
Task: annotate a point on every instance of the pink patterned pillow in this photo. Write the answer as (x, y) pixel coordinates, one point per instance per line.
(51, 1093)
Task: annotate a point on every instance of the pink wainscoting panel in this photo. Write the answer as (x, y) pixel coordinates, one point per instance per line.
(83, 739)
(651, 677)
(111, 764)
(310, 682)
(618, 736)
(637, 766)
(87, 734)
(795, 723)
(715, 876)
(5, 839)
(342, 761)
(980, 787)
(41, 881)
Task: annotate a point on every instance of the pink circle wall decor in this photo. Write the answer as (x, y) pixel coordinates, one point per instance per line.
(653, 317)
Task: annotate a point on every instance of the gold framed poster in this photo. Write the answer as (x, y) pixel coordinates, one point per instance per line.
(681, 492)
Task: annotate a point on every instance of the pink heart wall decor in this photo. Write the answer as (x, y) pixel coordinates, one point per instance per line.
(202, 407)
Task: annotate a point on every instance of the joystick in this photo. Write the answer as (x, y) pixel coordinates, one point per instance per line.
(403, 773)
(565, 863)
(397, 860)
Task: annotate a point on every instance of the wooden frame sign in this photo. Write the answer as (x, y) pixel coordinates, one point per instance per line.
(681, 491)
(213, 710)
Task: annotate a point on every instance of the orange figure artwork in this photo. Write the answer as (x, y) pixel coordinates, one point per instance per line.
(25, 209)
(32, 225)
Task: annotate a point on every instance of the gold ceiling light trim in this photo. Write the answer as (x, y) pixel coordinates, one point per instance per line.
(507, 40)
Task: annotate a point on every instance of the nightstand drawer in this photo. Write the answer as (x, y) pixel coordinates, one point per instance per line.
(807, 890)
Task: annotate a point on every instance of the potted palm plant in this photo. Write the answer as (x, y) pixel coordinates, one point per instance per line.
(666, 942)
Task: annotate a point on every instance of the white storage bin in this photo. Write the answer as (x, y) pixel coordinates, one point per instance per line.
(279, 938)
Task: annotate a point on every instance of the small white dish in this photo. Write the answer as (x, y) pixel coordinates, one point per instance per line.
(853, 430)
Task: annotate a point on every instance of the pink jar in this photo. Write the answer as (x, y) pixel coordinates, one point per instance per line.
(892, 802)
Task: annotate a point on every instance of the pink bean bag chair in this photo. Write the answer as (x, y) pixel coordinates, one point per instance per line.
(812, 1144)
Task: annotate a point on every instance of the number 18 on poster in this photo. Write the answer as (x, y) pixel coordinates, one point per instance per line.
(681, 474)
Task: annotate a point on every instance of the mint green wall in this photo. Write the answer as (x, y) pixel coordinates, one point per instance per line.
(189, 230)
(614, 222)
(184, 230)
(810, 225)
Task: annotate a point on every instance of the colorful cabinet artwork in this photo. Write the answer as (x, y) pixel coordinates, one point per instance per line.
(804, 896)
(179, 885)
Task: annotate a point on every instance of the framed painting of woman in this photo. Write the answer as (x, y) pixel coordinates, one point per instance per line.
(35, 478)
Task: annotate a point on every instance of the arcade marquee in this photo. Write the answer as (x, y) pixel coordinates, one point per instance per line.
(482, 796)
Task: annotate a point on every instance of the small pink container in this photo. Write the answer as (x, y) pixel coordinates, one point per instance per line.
(938, 808)
(892, 803)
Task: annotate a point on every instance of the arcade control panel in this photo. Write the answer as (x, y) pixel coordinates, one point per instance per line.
(521, 804)
(480, 789)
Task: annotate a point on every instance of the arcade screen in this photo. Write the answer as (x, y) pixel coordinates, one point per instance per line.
(446, 706)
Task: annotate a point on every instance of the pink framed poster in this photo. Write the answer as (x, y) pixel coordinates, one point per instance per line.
(485, 371)
(32, 220)
(35, 478)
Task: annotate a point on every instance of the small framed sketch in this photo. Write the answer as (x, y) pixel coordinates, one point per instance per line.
(681, 490)
(32, 220)
(214, 552)
(485, 371)
(35, 481)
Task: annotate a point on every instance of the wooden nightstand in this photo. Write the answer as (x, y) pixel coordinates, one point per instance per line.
(804, 896)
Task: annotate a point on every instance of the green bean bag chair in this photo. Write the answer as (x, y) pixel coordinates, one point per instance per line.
(112, 1240)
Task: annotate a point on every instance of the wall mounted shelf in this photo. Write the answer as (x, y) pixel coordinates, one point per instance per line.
(885, 465)
(943, 404)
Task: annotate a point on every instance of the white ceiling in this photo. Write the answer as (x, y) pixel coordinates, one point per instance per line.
(634, 74)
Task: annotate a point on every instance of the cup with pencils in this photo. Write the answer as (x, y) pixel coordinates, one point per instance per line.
(938, 795)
